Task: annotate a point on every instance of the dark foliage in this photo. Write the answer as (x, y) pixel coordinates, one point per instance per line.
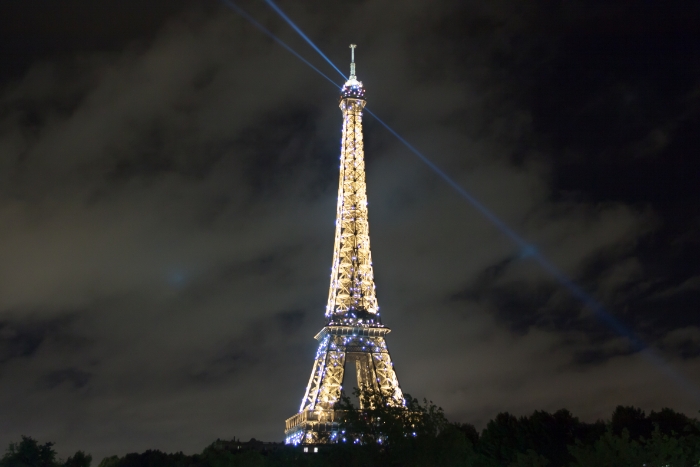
(79, 459)
(507, 438)
(29, 453)
(419, 435)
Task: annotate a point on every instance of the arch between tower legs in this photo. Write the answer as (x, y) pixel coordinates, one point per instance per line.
(365, 347)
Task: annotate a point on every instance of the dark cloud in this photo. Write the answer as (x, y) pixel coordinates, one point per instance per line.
(167, 203)
(22, 337)
(20, 342)
(71, 377)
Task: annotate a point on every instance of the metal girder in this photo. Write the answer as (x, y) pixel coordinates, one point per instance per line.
(352, 279)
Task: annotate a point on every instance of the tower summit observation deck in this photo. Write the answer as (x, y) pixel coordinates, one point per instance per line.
(354, 331)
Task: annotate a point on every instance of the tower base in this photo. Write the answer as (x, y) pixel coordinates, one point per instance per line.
(364, 347)
(314, 427)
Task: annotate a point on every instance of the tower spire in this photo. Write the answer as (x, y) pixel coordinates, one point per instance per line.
(352, 61)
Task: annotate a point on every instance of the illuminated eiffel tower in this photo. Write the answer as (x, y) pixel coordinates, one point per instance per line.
(354, 331)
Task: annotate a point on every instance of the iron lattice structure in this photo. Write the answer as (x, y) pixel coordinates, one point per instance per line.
(354, 331)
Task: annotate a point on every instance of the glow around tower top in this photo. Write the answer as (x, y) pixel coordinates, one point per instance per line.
(352, 88)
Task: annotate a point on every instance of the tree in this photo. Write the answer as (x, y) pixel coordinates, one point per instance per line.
(530, 459)
(613, 450)
(468, 430)
(634, 420)
(79, 459)
(610, 450)
(410, 434)
(29, 453)
(381, 421)
(111, 461)
(219, 454)
(669, 422)
(662, 449)
(500, 441)
(156, 458)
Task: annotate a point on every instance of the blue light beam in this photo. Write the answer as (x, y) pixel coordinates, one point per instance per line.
(303, 36)
(268, 33)
(530, 250)
(457, 187)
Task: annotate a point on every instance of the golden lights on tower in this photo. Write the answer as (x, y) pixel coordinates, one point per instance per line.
(354, 332)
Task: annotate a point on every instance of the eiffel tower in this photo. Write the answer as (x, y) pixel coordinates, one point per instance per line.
(354, 332)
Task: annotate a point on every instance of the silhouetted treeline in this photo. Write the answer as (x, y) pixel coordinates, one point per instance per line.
(630, 438)
(29, 453)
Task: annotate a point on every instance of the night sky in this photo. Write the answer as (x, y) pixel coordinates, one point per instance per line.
(168, 183)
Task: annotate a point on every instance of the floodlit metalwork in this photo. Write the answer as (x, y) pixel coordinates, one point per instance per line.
(354, 332)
